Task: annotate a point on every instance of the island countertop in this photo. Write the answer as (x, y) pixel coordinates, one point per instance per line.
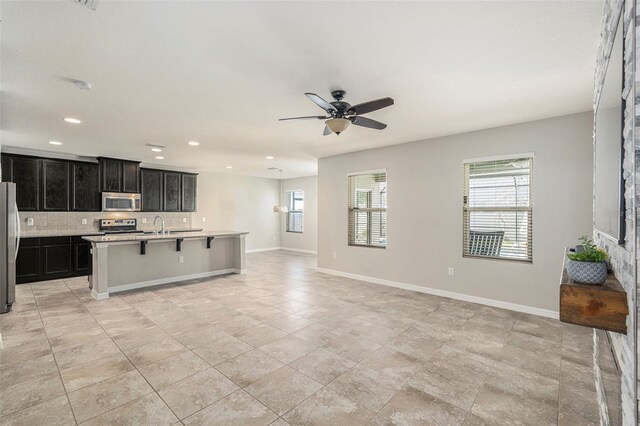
(152, 237)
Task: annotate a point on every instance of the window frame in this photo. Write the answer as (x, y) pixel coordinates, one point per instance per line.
(369, 210)
(466, 211)
(291, 202)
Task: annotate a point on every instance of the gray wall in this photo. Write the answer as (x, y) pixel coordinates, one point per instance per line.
(239, 203)
(308, 240)
(425, 185)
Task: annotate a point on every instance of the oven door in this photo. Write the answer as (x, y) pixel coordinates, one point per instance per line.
(118, 202)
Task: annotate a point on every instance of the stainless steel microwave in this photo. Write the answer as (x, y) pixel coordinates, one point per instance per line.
(120, 202)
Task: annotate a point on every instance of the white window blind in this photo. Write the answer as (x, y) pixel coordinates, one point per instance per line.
(296, 208)
(497, 212)
(368, 209)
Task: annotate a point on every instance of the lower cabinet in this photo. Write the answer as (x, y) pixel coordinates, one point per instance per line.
(50, 258)
(28, 261)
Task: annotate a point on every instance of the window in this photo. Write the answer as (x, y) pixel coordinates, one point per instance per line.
(368, 209)
(296, 206)
(497, 212)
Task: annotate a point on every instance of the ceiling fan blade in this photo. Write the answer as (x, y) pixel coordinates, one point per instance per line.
(327, 131)
(308, 117)
(370, 106)
(367, 122)
(320, 102)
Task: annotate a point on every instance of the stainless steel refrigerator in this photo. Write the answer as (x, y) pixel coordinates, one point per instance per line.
(9, 244)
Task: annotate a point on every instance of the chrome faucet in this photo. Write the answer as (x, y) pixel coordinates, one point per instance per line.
(156, 221)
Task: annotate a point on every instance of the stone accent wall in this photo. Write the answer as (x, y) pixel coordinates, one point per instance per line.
(71, 222)
(623, 257)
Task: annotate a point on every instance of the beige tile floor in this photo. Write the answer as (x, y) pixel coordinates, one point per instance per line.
(285, 345)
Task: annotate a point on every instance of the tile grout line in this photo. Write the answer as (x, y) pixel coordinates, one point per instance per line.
(44, 328)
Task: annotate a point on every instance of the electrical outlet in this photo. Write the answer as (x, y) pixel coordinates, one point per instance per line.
(335, 255)
(144, 220)
(83, 221)
(180, 259)
(451, 271)
(184, 220)
(204, 219)
(29, 221)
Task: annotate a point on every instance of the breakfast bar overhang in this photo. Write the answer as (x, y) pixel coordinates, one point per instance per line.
(128, 262)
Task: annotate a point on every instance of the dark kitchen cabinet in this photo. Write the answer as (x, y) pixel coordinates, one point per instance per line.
(25, 173)
(55, 185)
(172, 191)
(152, 193)
(81, 256)
(49, 258)
(111, 171)
(56, 257)
(189, 192)
(130, 176)
(85, 187)
(28, 261)
(119, 175)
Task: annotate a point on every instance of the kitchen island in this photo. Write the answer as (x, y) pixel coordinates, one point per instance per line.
(130, 261)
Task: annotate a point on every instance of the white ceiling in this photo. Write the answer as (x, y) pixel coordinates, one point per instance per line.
(222, 73)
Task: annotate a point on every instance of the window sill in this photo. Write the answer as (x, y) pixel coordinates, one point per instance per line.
(501, 259)
(295, 232)
(367, 246)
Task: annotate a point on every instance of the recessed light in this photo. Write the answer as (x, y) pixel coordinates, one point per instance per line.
(72, 120)
(269, 157)
(194, 143)
(159, 157)
(229, 167)
(156, 150)
(55, 143)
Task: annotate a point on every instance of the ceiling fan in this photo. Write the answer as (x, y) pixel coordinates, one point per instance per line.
(341, 114)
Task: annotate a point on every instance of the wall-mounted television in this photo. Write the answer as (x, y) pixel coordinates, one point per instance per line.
(609, 206)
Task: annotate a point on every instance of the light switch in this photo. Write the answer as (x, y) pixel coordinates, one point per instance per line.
(184, 220)
(452, 271)
(29, 221)
(204, 219)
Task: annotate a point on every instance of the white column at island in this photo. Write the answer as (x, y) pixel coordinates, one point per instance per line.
(129, 261)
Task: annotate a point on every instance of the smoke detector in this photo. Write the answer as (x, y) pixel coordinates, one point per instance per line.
(82, 85)
(91, 4)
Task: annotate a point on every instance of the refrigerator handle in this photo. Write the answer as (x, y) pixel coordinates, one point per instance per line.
(19, 231)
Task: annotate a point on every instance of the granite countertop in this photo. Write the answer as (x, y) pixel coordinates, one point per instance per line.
(41, 234)
(150, 237)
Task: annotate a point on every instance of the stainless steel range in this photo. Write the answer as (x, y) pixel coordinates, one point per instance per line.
(119, 226)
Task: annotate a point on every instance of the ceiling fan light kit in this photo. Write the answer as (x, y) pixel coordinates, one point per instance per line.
(337, 125)
(341, 114)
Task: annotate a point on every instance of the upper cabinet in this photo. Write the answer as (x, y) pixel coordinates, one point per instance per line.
(152, 193)
(168, 191)
(119, 175)
(55, 185)
(25, 173)
(85, 187)
(172, 189)
(48, 184)
(111, 171)
(189, 192)
(131, 176)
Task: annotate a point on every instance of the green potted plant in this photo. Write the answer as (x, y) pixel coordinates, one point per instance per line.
(587, 264)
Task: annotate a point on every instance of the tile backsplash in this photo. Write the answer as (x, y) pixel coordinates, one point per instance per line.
(71, 222)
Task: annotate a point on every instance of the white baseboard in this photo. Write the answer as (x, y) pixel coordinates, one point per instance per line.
(299, 250)
(444, 293)
(169, 280)
(258, 250)
(99, 296)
